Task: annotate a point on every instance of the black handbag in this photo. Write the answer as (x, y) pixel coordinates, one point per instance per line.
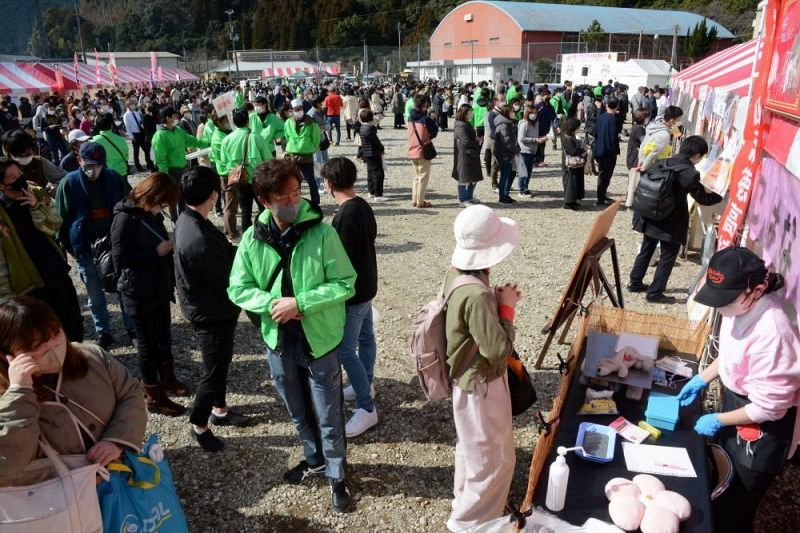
(428, 150)
(325, 143)
(520, 386)
(101, 257)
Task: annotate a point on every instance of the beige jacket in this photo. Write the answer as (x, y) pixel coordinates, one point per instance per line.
(108, 391)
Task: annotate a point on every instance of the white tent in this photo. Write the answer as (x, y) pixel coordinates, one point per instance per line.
(642, 73)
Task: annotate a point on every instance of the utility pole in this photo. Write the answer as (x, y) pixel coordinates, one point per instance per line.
(364, 70)
(80, 34)
(230, 12)
(609, 41)
(399, 56)
(528, 61)
(272, 60)
(674, 57)
(639, 52)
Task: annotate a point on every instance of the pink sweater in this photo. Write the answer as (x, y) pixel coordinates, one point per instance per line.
(760, 359)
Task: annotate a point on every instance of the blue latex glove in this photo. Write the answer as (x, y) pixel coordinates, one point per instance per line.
(708, 425)
(691, 390)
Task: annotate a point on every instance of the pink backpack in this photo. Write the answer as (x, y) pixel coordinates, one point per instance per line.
(428, 346)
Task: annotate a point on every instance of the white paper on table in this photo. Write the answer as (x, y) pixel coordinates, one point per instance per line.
(660, 460)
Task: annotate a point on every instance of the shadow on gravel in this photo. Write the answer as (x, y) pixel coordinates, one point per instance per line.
(393, 479)
(397, 248)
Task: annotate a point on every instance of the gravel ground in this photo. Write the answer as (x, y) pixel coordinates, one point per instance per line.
(400, 471)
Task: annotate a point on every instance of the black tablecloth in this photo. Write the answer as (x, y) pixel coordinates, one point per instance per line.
(585, 492)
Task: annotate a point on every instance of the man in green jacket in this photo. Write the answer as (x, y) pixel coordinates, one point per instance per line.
(271, 124)
(116, 147)
(292, 271)
(170, 143)
(302, 136)
(232, 154)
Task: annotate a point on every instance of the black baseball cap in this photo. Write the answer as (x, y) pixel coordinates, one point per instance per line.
(730, 272)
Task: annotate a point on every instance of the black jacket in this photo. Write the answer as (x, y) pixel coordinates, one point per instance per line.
(371, 146)
(203, 260)
(142, 272)
(674, 227)
(467, 150)
(355, 223)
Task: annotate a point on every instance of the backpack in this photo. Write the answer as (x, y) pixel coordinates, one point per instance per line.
(104, 263)
(654, 198)
(428, 346)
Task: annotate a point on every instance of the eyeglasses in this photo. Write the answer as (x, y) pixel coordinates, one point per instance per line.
(282, 197)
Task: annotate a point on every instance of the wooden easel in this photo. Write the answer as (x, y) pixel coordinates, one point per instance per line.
(589, 274)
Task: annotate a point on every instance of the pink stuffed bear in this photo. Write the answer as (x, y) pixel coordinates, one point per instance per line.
(622, 361)
(644, 504)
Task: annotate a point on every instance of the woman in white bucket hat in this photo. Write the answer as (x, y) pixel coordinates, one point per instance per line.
(480, 334)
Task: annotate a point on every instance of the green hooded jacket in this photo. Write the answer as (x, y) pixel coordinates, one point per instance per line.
(304, 142)
(216, 149)
(116, 151)
(409, 107)
(170, 147)
(323, 278)
(478, 115)
(232, 152)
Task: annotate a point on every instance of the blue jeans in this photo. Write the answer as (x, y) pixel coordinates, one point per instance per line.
(528, 159)
(58, 147)
(335, 122)
(97, 297)
(320, 156)
(465, 192)
(359, 366)
(506, 179)
(313, 397)
(308, 174)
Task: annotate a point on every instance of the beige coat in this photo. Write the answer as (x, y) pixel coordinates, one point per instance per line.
(108, 391)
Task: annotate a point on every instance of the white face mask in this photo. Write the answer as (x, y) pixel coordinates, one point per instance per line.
(516, 108)
(258, 110)
(53, 359)
(24, 161)
(51, 111)
(187, 116)
(532, 117)
(298, 114)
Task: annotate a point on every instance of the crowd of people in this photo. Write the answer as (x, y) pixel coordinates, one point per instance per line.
(307, 286)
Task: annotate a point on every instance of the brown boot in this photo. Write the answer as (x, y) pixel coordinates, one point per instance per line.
(158, 402)
(170, 382)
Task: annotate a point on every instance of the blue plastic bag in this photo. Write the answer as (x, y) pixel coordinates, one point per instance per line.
(140, 495)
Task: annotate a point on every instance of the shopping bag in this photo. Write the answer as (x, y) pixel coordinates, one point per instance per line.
(522, 170)
(63, 499)
(140, 494)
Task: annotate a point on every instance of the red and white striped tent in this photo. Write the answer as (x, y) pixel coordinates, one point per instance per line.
(285, 72)
(127, 77)
(20, 78)
(729, 70)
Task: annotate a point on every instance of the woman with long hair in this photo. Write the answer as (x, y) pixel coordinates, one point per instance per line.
(467, 158)
(142, 254)
(76, 397)
(572, 178)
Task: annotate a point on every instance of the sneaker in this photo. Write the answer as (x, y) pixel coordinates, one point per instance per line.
(507, 200)
(474, 200)
(207, 440)
(381, 198)
(350, 393)
(637, 286)
(340, 495)
(495, 190)
(526, 192)
(336, 144)
(231, 418)
(299, 473)
(466, 203)
(661, 299)
(361, 421)
(105, 340)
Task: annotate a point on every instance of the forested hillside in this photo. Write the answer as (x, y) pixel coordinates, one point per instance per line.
(184, 26)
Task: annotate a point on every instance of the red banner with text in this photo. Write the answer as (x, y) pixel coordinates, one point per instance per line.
(745, 166)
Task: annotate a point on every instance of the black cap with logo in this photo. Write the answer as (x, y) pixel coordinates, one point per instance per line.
(730, 272)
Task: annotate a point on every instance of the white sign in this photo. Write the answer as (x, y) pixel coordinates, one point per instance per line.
(224, 104)
(599, 67)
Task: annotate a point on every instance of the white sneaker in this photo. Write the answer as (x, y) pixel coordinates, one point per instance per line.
(466, 203)
(350, 393)
(381, 199)
(361, 421)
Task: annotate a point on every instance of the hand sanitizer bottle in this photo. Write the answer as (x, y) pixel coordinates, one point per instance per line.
(557, 482)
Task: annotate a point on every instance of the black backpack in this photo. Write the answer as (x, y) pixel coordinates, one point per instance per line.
(654, 198)
(103, 262)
